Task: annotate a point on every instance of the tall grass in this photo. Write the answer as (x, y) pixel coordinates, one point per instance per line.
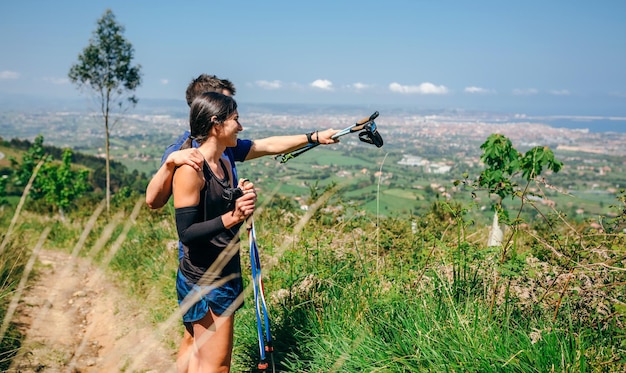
(350, 292)
(424, 304)
(11, 271)
(14, 270)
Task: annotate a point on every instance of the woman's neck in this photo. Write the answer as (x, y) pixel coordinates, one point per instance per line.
(211, 151)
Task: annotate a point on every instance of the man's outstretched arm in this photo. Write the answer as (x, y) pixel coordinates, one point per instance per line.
(285, 144)
(159, 189)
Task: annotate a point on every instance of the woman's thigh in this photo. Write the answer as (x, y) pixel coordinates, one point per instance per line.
(213, 340)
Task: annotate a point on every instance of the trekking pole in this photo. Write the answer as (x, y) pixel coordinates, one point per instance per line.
(266, 347)
(369, 135)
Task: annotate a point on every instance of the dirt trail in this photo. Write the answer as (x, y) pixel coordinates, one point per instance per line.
(75, 320)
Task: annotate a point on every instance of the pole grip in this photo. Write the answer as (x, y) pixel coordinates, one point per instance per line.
(365, 120)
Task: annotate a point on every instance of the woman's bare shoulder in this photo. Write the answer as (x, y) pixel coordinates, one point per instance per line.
(186, 178)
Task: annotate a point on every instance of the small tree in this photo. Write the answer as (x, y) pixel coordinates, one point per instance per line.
(105, 69)
(23, 171)
(3, 191)
(61, 185)
(57, 184)
(504, 165)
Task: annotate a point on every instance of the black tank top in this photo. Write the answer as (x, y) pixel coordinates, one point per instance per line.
(208, 261)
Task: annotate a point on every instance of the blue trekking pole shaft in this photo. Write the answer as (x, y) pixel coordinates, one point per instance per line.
(255, 269)
(263, 321)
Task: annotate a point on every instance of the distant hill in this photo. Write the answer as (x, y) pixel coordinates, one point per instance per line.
(120, 175)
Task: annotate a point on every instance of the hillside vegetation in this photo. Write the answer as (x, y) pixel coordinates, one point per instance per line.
(354, 291)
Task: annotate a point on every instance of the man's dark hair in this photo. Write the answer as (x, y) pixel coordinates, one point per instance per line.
(207, 83)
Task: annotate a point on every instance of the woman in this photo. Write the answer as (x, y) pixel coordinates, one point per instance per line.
(209, 213)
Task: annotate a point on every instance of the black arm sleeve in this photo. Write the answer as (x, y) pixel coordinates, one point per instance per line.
(188, 231)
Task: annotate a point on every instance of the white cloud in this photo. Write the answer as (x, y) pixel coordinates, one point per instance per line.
(525, 92)
(266, 84)
(560, 92)
(165, 81)
(57, 81)
(359, 86)
(422, 89)
(479, 90)
(324, 84)
(6, 74)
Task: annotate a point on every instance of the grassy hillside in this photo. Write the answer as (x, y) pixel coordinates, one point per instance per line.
(350, 292)
(9, 151)
(368, 280)
(121, 178)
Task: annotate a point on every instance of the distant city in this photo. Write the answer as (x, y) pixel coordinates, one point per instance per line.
(424, 149)
(605, 122)
(74, 126)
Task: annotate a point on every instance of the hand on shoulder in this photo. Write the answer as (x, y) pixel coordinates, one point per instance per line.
(191, 157)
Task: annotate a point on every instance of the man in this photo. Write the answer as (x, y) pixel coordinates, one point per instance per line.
(159, 189)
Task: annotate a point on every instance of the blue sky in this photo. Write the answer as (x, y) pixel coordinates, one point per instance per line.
(554, 57)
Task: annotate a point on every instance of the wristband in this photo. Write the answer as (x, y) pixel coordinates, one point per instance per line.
(310, 138)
